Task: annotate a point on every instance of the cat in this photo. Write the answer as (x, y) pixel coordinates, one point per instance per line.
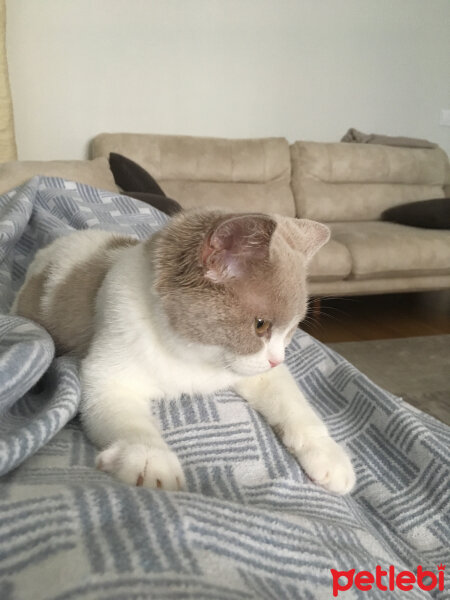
(210, 301)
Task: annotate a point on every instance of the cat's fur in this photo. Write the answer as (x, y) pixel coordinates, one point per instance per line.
(176, 314)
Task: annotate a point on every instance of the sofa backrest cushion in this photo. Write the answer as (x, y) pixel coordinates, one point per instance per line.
(239, 175)
(91, 172)
(357, 182)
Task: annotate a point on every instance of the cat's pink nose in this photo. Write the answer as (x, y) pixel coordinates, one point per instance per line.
(274, 363)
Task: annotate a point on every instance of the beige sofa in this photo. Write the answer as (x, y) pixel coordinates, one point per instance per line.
(344, 185)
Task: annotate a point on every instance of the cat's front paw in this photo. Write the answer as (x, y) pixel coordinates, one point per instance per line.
(142, 465)
(327, 464)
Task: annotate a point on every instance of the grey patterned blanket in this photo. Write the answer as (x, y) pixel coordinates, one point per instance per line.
(251, 525)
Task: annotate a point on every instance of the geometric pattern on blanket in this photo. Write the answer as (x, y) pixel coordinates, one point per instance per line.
(250, 525)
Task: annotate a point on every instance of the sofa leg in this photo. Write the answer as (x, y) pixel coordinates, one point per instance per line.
(316, 307)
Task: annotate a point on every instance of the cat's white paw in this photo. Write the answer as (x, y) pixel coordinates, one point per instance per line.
(327, 464)
(142, 465)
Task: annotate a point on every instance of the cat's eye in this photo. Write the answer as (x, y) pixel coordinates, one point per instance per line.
(262, 326)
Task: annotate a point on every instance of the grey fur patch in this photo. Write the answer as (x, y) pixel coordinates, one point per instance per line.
(71, 306)
(29, 297)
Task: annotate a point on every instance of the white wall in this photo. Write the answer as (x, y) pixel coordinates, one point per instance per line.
(303, 69)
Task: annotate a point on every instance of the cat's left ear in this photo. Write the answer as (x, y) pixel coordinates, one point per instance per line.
(303, 235)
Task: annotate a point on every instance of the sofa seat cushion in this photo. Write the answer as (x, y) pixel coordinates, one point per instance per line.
(332, 263)
(380, 249)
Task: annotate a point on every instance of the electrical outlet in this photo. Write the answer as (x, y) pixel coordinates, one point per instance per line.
(445, 117)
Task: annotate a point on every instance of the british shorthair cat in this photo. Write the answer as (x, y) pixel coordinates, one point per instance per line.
(209, 302)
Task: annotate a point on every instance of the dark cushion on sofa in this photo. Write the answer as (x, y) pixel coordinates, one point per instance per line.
(138, 183)
(128, 175)
(163, 203)
(429, 214)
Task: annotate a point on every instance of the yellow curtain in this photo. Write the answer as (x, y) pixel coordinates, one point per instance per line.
(8, 149)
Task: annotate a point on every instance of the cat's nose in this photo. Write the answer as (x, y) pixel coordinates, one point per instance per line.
(274, 363)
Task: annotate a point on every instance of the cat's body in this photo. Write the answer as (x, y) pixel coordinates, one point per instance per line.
(209, 302)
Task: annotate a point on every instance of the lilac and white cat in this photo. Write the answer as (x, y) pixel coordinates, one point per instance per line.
(209, 302)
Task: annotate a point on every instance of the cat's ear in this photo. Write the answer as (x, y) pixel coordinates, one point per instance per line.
(235, 244)
(314, 234)
(303, 235)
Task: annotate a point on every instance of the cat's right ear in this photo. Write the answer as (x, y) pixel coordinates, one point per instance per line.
(236, 243)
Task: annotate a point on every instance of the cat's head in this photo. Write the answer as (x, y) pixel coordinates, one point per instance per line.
(236, 282)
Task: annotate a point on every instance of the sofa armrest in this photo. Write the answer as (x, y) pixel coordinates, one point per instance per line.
(91, 172)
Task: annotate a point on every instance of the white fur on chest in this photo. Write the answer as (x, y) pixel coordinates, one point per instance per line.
(137, 347)
(175, 376)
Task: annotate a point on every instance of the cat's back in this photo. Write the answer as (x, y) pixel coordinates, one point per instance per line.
(62, 282)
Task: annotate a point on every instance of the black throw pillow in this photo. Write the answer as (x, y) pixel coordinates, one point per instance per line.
(130, 176)
(429, 214)
(163, 203)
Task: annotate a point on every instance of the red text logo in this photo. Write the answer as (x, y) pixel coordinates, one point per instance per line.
(388, 580)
